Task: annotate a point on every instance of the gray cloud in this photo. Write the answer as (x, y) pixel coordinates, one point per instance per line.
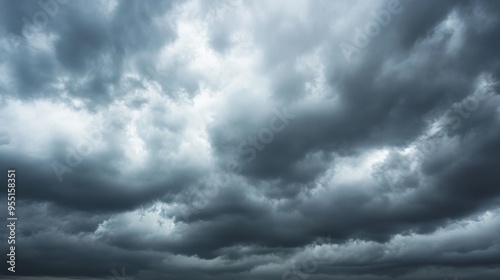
(230, 139)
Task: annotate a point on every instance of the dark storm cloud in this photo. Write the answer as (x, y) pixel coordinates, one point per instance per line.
(92, 184)
(89, 44)
(390, 155)
(375, 109)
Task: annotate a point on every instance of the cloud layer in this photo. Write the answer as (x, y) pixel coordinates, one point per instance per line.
(252, 139)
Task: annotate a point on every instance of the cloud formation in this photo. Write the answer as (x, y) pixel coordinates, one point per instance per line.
(252, 139)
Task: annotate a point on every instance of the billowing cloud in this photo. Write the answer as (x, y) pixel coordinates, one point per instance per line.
(252, 139)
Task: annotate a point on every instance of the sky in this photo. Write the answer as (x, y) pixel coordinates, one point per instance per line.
(238, 139)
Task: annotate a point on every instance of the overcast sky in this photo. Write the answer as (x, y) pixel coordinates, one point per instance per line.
(233, 139)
